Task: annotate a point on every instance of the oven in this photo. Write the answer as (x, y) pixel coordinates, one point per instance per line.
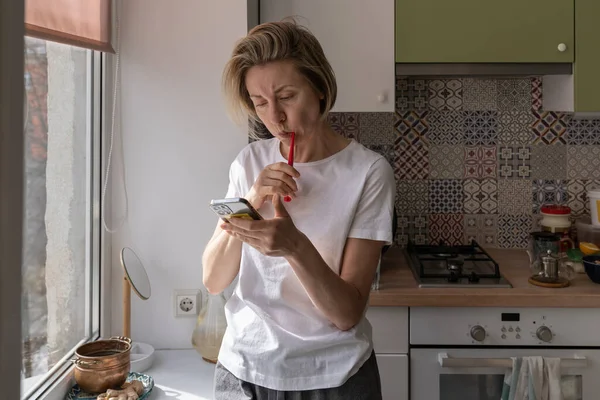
(464, 353)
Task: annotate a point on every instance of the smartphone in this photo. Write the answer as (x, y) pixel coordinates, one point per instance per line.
(236, 207)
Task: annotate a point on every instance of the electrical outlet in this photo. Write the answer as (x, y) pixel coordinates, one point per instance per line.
(187, 302)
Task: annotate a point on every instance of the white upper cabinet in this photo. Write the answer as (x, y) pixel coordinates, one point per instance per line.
(358, 39)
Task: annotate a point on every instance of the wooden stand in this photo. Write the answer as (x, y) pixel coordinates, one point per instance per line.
(539, 281)
(126, 307)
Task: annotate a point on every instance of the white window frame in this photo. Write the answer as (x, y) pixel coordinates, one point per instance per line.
(60, 377)
(60, 380)
(103, 79)
(12, 200)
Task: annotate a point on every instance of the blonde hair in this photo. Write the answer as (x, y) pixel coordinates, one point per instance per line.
(276, 41)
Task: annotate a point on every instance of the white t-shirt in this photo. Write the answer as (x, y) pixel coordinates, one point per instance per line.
(276, 337)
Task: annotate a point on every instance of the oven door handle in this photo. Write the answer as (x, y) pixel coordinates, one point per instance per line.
(451, 362)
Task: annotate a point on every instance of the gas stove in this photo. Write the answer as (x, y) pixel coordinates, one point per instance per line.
(454, 266)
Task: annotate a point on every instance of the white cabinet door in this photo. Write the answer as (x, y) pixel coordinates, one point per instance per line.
(358, 39)
(390, 329)
(393, 369)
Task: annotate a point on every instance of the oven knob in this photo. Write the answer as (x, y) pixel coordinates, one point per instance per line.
(544, 334)
(478, 333)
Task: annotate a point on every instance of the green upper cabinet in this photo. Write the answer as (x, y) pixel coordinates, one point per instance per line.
(484, 31)
(587, 59)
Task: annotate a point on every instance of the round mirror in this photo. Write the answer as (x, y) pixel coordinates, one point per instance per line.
(136, 273)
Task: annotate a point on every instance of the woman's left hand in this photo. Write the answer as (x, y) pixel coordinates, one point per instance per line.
(275, 237)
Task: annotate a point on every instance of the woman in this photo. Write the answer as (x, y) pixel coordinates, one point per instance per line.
(296, 325)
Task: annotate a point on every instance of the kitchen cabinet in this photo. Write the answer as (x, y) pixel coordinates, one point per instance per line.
(390, 340)
(393, 370)
(475, 31)
(579, 92)
(390, 329)
(587, 56)
(358, 40)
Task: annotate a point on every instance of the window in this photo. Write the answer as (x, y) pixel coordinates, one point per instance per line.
(61, 233)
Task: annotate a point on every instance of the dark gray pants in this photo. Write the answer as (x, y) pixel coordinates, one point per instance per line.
(364, 385)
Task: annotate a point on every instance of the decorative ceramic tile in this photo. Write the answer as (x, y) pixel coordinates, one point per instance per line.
(445, 127)
(483, 228)
(577, 194)
(411, 128)
(411, 162)
(514, 162)
(514, 196)
(385, 150)
(447, 228)
(515, 127)
(502, 177)
(549, 127)
(513, 230)
(411, 94)
(536, 93)
(481, 128)
(514, 94)
(480, 162)
(446, 162)
(549, 162)
(479, 94)
(549, 191)
(446, 196)
(413, 227)
(346, 124)
(480, 196)
(445, 94)
(583, 132)
(377, 128)
(583, 162)
(412, 197)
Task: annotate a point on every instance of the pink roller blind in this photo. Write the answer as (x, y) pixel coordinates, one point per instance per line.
(83, 23)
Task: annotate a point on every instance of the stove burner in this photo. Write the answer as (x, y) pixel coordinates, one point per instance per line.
(455, 265)
(454, 276)
(445, 255)
(473, 277)
(439, 265)
(456, 269)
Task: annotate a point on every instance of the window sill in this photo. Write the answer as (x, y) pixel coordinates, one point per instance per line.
(28, 383)
(177, 374)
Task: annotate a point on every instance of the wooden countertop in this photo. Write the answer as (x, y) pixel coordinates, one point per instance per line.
(399, 288)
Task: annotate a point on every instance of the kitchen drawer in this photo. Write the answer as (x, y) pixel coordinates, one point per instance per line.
(393, 370)
(390, 329)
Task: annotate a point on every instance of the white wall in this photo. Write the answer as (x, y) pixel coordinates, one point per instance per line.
(178, 144)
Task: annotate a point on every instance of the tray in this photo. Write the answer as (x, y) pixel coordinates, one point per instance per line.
(77, 394)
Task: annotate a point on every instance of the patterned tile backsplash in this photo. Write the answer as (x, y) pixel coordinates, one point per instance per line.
(476, 158)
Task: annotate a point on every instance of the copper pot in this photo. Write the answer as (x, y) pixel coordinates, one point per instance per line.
(103, 364)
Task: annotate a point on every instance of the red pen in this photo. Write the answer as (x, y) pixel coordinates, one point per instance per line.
(287, 199)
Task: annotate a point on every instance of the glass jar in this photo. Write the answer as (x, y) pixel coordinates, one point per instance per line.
(210, 328)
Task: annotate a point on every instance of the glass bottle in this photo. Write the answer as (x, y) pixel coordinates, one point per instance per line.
(210, 328)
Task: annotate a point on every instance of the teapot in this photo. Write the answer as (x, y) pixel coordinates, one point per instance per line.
(552, 268)
(540, 243)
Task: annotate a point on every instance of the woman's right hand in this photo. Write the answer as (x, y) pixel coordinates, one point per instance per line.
(276, 179)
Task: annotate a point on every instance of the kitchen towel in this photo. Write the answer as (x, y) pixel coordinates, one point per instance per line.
(533, 378)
